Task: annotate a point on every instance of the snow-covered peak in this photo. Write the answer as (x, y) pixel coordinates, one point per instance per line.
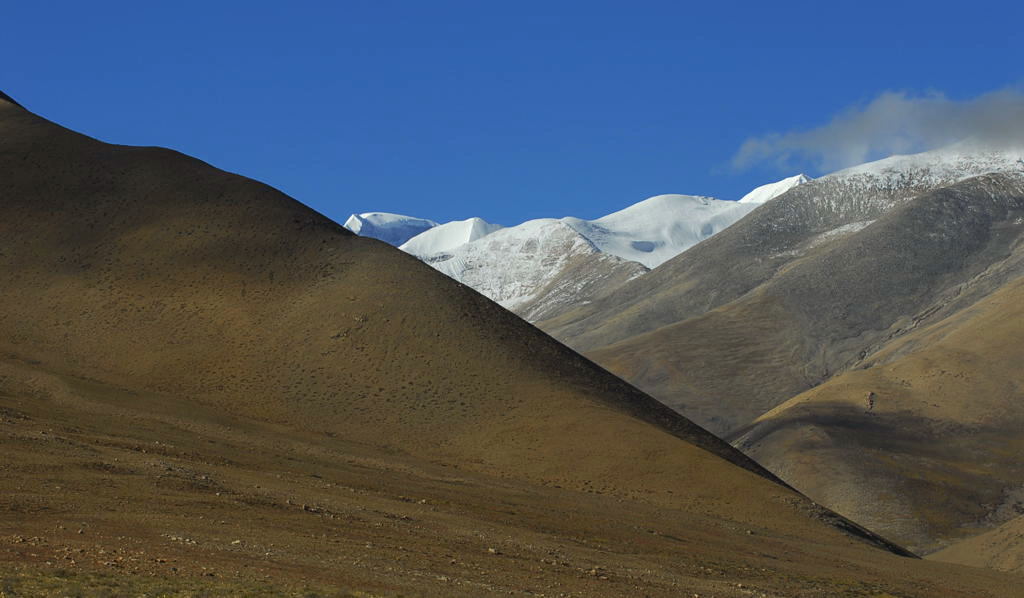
(659, 228)
(649, 232)
(448, 236)
(394, 229)
(546, 264)
(938, 167)
(648, 210)
(773, 190)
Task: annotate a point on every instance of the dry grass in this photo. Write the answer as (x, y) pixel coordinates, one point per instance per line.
(936, 457)
(203, 380)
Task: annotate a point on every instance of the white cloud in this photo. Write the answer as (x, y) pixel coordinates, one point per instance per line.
(893, 123)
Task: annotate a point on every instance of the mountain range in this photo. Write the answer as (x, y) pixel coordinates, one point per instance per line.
(542, 267)
(855, 334)
(207, 387)
(813, 288)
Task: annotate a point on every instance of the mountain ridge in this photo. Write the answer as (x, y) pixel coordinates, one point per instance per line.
(800, 297)
(772, 190)
(752, 251)
(578, 260)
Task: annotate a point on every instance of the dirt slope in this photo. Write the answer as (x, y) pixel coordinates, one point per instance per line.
(1001, 548)
(202, 379)
(151, 270)
(923, 441)
(827, 310)
(807, 293)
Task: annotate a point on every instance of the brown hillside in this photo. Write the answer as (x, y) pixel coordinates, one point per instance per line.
(924, 441)
(1001, 548)
(203, 381)
(840, 301)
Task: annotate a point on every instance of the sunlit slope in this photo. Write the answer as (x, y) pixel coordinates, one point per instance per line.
(124, 492)
(825, 311)
(753, 251)
(152, 271)
(1001, 548)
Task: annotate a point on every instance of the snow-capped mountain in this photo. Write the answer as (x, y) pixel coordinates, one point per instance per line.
(659, 228)
(543, 265)
(390, 228)
(860, 286)
(847, 200)
(448, 236)
(934, 168)
(534, 267)
(773, 190)
(643, 328)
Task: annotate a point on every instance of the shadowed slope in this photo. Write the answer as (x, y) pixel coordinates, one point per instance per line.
(149, 269)
(188, 356)
(924, 442)
(6, 98)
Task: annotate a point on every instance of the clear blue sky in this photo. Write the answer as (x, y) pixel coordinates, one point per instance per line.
(505, 110)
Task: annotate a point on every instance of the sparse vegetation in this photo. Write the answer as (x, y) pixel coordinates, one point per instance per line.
(22, 583)
(161, 433)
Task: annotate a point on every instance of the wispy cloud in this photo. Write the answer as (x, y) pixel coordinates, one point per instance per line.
(893, 123)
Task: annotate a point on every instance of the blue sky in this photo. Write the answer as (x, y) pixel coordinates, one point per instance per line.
(505, 110)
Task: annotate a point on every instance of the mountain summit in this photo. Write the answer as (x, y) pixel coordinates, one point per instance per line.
(772, 190)
(448, 237)
(541, 267)
(393, 229)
